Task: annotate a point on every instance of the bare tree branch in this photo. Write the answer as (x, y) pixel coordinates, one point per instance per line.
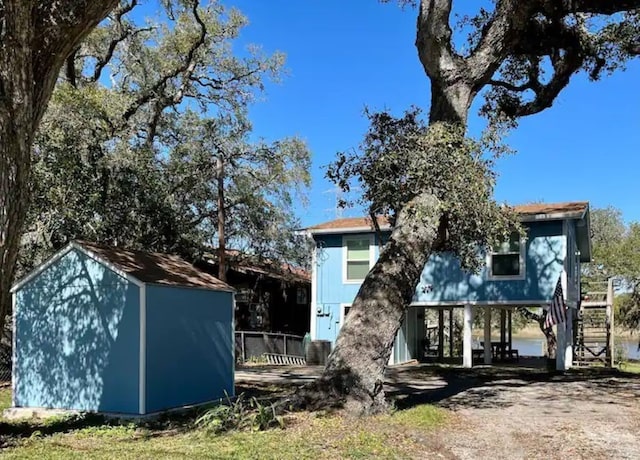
(61, 26)
(606, 7)
(434, 39)
(187, 68)
(125, 32)
(498, 36)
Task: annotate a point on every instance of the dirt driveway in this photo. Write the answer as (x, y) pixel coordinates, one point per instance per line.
(510, 413)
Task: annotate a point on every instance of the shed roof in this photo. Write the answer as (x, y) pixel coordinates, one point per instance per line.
(535, 211)
(146, 267)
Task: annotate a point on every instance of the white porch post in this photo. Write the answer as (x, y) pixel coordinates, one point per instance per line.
(561, 346)
(467, 358)
(568, 352)
(487, 335)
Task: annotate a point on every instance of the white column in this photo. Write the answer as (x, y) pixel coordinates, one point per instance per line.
(467, 358)
(568, 354)
(487, 335)
(561, 346)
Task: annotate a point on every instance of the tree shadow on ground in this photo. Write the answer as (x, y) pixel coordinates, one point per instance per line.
(499, 387)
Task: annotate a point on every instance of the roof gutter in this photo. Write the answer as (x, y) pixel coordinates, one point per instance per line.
(524, 218)
(553, 216)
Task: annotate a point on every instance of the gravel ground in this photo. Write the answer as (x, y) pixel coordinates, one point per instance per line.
(510, 412)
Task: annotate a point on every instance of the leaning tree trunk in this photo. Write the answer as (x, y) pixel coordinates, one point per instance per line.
(353, 376)
(35, 39)
(16, 136)
(355, 371)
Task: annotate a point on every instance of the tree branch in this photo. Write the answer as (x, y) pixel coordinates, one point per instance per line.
(434, 39)
(125, 32)
(61, 26)
(187, 68)
(606, 7)
(498, 36)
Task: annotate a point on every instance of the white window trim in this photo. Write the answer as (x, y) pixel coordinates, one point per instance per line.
(523, 265)
(372, 254)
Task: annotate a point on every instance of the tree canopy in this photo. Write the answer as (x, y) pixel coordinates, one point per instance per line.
(129, 151)
(616, 254)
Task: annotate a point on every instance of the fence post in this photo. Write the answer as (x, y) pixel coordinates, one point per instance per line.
(244, 357)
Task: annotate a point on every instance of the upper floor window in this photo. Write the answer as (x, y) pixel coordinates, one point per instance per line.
(507, 258)
(357, 257)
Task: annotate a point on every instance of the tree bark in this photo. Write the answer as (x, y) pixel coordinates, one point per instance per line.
(16, 137)
(37, 37)
(354, 373)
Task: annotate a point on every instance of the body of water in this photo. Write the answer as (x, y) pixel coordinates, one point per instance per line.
(535, 347)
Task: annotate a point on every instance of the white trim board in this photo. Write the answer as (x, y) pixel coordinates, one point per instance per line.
(57, 256)
(50, 261)
(142, 357)
(482, 303)
(314, 292)
(14, 349)
(107, 264)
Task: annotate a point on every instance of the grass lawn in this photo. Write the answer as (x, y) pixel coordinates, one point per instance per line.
(306, 436)
(631, 366)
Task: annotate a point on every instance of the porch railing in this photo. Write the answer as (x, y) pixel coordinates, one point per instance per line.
(254, 345)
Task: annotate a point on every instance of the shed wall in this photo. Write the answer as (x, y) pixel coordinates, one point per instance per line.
(77, 336)
(190, 346)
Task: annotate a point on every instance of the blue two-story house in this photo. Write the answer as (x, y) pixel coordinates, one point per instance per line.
(523, 271)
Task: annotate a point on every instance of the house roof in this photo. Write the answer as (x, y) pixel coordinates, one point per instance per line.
(533, 212)
(528, 212)
(244, 263)
(145, 267)
(349, 224)
(551, 211)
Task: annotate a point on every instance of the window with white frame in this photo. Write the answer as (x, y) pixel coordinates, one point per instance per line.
(507, 258)
(357, 257)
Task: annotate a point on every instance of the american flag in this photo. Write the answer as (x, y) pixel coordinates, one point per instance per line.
(557, 310)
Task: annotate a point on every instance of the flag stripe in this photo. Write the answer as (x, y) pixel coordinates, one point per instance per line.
(556, 313)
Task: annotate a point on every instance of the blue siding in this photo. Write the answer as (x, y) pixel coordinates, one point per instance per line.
(190, 348)
(443, 280)
(544, 254)
(77, 336)
(331, 291)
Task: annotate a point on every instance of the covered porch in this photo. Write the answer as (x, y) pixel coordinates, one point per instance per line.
(449, 334)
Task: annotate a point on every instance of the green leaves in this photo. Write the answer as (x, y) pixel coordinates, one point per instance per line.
(401, 158)
(616, 253)
(126, 153)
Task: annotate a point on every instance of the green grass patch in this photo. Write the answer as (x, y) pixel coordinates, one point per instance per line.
(424, 416)
(5, 398)
(630, 366)
(305, 436)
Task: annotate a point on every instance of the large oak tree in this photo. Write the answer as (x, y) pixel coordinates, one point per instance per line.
(519, 54)
(36, 36)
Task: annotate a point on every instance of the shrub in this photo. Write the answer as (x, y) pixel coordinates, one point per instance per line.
(240, 415)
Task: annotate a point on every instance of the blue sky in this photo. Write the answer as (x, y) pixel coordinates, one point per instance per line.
(345, 55)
